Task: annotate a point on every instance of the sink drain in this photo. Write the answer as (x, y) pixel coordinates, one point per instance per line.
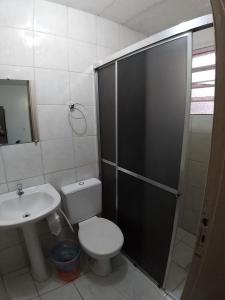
(26, 215)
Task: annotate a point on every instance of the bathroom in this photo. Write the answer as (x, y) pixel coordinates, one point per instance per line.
(79, 124)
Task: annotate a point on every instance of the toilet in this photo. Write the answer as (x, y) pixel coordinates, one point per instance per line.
(100, 238)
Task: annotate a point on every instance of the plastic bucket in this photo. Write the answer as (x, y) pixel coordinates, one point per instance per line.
(66, 258)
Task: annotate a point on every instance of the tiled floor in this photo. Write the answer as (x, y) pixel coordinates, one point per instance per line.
(181, 260)
(125, 283)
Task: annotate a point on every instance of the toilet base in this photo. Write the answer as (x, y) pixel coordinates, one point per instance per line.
(102, 267)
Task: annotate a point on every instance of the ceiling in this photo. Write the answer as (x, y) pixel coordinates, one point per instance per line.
(146, 16)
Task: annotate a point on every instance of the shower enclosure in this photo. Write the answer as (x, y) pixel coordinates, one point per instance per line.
(144, 100)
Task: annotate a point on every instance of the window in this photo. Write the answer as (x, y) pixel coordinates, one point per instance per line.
(203, 81)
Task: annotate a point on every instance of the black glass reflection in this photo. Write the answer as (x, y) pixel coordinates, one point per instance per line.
(146, 216)
(106, 86)
(109, 192)
(151, 111)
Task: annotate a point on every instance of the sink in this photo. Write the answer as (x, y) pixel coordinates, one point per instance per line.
(35, 204)
(23, 212)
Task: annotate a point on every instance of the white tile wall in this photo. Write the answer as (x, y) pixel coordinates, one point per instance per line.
(82, 88)
(103, 52)
(50, 18)
(82, 56)
(196, 171)
(107, 34)
(22, 161)
(56, 46)
(126, 35)
(28, 182)
(12, 14)
(58, 127)
(52, 86)
(85, 150)
(203, 38)
(50, 51)
(199, 147)
(200, 144)
(57, 155)
(16, 72)
(82, 26)
(16, 47)
(88, 171)
(3, 188)
(58, 179)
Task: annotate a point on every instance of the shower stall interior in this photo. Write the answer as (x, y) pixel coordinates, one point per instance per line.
(144, 101)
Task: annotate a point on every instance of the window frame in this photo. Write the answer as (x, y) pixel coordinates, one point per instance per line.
(202, 84)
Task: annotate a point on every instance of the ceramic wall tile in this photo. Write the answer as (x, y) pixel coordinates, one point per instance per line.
(82, 56)
(17, 14)
(82, 26)
(50, 51)
(50, 17)
(16, 47)
(22, 161)
(58, 127)
(52, 86)
(57, 155)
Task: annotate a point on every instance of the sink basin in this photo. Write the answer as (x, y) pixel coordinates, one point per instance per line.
(35, 204)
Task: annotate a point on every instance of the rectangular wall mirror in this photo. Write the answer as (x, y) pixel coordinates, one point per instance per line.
(18, 122)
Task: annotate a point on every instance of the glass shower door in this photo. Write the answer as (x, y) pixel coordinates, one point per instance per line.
(152, 92)
(142, 105)
(107, 112)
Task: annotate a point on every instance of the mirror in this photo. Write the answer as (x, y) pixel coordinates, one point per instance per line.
(17, 112)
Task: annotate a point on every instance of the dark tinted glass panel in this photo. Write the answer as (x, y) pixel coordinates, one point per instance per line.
(151, 111)
(109, 192)
(146, 215)
(106, 88)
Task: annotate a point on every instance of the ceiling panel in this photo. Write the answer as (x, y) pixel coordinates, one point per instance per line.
(92, 6)
(122, 10)
(168, 14)
(146, 16)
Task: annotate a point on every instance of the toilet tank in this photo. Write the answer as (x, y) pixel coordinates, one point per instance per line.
(82, 200)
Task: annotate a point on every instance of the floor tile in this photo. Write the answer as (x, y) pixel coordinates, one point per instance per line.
(182, 255)
(169, 298)
(175, 277)
(179, 290)
(123, 284)
(67, 292)
(51, 284)
(84, 263)
(189, 240)
(120, 260)
(21, 287)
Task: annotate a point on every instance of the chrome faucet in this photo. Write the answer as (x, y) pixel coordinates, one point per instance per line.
(20, 191)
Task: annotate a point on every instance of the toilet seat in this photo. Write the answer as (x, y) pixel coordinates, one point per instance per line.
(100, 237)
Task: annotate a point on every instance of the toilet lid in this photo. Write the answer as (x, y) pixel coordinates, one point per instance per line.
(100, 236)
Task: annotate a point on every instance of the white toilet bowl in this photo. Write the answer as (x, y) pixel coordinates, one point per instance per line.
(101, 239)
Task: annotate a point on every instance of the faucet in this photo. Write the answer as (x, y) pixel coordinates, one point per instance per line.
(20, 191)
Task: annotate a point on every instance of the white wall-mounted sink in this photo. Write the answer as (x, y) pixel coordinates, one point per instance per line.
(24, 211)
(35, 204)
